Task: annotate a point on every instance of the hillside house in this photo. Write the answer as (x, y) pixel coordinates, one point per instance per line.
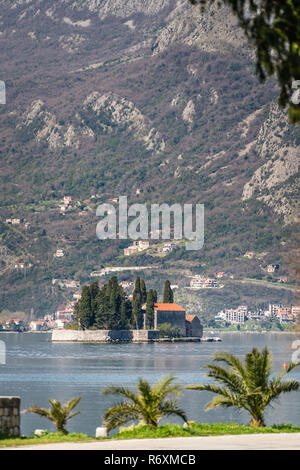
(15, 221)
(143, 245)
(37, 325)
(59, 253)
(131, 250)
(170, 313)
(283, 312)
(71, 284)
(169, 246)
(137, 246)
(19, 265)
(272, 268)
(197, 283)
(235, 316)
(126, 284)
(67, 201)
(286, 318)
(203, 283)
(221, 316)
(256, 315)
(220, 275)
(193, 326)
(96, 274)
(243, 309)
(210, 283)
(64, 314)
(77, 295)
(296, 310)
(274, 310)
(60, 324)
(249, 254)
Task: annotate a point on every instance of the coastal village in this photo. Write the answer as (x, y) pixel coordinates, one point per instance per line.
(230, 316)
(171, 313)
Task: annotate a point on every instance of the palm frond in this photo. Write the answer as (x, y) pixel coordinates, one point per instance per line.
(145, 391)
(165, 387)
(228, 377)
(73, 414)
(233, 362)
(170, 407)
(220, 400)
(68, 407)
(258, 365)
(122, 391)
(120, 413)
(39, 411)
(291, 366)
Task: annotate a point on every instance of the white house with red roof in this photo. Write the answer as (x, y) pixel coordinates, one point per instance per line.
(37, 325)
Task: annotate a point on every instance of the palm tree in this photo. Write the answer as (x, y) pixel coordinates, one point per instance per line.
(59, 414)
(149, 405)
(247, 386)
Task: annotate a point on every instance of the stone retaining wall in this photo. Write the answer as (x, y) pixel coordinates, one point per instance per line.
(10, 415)
(105, 336)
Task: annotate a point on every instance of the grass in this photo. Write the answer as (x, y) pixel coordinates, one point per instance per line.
(145, 432)
(50, 438)
(201, 429)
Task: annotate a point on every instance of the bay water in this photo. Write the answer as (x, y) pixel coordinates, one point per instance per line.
(37, 369)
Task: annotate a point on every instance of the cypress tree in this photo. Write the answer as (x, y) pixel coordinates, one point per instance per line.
(143, 291)
(103, 315)
(85, 310)
(137, 303)
(94, 291)
(150, 309)
(123, 324)
(168, 293)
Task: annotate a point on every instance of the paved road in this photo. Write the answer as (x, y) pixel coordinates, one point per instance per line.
(243, 442)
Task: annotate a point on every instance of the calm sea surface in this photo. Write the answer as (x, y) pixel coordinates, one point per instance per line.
(37, 370)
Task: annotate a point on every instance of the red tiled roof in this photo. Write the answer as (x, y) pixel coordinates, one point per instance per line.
(190, 317)
(169, 307)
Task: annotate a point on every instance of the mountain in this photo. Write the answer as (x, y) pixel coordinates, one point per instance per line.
(108, 97)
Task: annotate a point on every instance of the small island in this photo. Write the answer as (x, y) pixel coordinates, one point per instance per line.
(107, 314)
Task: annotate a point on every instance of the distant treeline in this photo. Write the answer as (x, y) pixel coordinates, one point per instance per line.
(109, 308)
